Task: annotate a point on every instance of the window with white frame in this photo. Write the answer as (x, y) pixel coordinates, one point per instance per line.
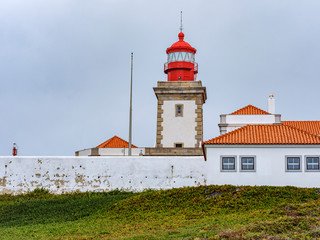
(293, 163)
(312, 163)
(228, 163)
(247, 163)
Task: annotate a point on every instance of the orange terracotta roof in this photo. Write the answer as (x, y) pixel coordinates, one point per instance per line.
(312, 127)
(250, 110)
(266, 134)
(115, 142)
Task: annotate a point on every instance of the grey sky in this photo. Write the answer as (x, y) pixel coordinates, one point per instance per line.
(65, 65)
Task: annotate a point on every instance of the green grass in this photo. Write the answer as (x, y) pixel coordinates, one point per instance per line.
(205, 212)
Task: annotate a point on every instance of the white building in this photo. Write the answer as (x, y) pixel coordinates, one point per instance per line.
(114, 146)
(249, 115)
(256, 148)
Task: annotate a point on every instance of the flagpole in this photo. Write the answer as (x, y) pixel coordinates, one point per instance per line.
(130, 117)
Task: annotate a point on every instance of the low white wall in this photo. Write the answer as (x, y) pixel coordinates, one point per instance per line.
(111, 151)
(270, 166)
(230, 122)
(84, 152)
(68, 174)
(250, 119)
(120, 151)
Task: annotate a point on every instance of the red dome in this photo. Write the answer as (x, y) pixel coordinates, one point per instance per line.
(181, 46)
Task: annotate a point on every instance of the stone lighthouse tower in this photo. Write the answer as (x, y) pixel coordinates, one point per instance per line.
(180, 100)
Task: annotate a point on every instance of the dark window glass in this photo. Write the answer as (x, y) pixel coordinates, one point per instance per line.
(293, 163)
(179, 111)
(247, 163)
(228, 163)
(312, 163)
(178, 145)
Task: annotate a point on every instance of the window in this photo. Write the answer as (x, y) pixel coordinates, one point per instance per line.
(247, 163)
(179, 110)
(312, 163)
(293, 163)
(228, 163)
(178, 145)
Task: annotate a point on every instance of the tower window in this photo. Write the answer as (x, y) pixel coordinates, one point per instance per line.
(179, 110)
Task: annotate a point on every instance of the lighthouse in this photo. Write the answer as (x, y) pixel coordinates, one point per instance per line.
(181, 65)
(180, 101)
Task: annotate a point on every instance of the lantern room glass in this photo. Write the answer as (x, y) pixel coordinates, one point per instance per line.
(181, 57)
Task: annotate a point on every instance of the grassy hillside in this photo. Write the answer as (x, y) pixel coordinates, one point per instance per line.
(205, 212)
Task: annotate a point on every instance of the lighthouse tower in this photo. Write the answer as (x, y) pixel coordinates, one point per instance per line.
(181, 65)
(180, 100)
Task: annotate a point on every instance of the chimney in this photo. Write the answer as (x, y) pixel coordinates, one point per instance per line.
(271, 104)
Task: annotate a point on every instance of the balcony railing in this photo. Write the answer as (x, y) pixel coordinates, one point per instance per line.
(166, 66)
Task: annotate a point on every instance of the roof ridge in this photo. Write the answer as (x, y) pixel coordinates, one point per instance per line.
(238, 112)
(312, 126)
(299, 129)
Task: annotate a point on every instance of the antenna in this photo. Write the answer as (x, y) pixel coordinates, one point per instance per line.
(181, 22)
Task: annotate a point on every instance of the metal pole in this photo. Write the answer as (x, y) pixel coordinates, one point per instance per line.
(130, 117)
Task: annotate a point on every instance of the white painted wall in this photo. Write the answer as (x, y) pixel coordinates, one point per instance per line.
(68, 174)
(232, 122)
(85, 152)
(120, 151)
(112, 151)
(270, 166)
(229, 129)
(179, 129)
(250, 119)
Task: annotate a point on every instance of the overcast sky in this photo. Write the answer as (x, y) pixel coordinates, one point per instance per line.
(65, 65)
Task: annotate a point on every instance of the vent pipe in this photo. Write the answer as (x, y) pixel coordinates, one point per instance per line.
(271, 104)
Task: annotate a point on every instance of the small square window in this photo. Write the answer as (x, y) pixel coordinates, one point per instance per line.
(178, 145)
(312, 163)
(248, 163)
(179, 110)
(228, 163)
(293, 163)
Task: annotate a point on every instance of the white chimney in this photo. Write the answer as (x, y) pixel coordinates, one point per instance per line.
(271, 104)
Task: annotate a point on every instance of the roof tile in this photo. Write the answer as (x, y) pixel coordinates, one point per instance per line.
(115, 142)
(312, 127)
(250, 110)
(266, 134)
